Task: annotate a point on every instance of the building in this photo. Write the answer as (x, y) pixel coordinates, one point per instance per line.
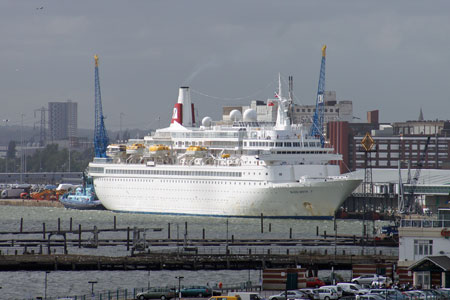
(402, 142)
(267, 111)
(424, 250)
(333, 110)
(62, 120)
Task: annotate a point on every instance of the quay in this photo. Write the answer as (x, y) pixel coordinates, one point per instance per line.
(352, 208)
(30, 203)
(186, 261)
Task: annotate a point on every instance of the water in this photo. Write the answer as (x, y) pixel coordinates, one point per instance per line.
(20, 285)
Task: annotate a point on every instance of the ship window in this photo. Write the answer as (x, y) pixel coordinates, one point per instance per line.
(279, 144)
(280, 174)
(287, 144)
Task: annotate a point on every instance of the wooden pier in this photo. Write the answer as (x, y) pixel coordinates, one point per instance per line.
(180, 261)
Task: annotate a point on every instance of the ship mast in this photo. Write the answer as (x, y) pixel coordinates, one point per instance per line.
(283, 120)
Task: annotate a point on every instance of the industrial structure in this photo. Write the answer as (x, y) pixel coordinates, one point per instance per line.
(317, 125)
(100, 135)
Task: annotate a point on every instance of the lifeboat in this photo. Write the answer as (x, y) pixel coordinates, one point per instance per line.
(158, 150)
(135, 149)
(196, 151)
(115, 150)
(225, 155)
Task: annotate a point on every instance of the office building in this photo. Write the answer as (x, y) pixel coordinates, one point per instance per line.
(62, 120)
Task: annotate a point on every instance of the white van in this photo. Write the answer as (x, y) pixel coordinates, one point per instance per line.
(335, 288)
(327, 293)
(352, 289)
(246, 295)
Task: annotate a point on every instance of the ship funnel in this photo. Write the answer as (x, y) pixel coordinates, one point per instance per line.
(183, 112)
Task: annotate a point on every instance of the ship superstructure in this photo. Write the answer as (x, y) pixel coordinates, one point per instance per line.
(244, 168)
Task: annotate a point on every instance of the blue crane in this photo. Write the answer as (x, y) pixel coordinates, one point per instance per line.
(100, 135)
(317, 125)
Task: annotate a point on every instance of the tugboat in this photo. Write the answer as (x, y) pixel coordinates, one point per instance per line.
(83, 198)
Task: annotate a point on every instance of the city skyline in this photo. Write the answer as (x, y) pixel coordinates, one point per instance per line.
(387, 56)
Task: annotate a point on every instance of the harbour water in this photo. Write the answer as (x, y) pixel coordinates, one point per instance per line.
(22, 285)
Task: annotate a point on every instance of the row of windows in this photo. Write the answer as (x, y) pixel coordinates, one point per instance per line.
(184, 181)
(96, 169)
(174, 172)
(309, 110)
(301, 152)
(283, 144)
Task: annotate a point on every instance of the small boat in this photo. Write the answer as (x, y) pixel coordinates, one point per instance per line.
(83, 198)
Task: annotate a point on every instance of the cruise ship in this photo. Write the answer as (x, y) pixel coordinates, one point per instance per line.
(240, 168)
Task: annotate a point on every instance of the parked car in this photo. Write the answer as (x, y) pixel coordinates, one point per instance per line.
(314, 282)
(352, 289)
(196, 291)
(294, 294)
(391, 293)
(224, 298)
(370, 297)
(335, 288)
(312, 293)
(246, 295)
(327, 293)
(368, 279)
(156, 293)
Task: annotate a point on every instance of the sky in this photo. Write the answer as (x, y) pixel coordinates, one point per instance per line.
(393, 56)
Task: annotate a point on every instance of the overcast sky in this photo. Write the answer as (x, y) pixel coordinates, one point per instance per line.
(386, 55)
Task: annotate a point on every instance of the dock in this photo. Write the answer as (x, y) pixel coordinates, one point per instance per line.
(184, 261)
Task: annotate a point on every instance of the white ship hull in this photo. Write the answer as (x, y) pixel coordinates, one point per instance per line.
(224, 198)
(240, 169)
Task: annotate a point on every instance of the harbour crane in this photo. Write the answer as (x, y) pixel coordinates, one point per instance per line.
(100, 134)
(411, 206)
(317, 125)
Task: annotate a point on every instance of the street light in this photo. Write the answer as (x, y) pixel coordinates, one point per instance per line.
(179, 285)
(284, 274)
(92, 288)
(45, 286)
(21, 149)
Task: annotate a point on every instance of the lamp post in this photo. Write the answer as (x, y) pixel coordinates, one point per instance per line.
(284, 274)
(179, 285)
(6, 158)
(45, 285)
(92, 288)
(21, 149)
(120, 130)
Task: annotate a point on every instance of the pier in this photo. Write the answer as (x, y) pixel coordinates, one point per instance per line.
(186, 261)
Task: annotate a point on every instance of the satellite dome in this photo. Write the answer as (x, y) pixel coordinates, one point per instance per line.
(235, 115)
(250, 115)
(206, 121)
